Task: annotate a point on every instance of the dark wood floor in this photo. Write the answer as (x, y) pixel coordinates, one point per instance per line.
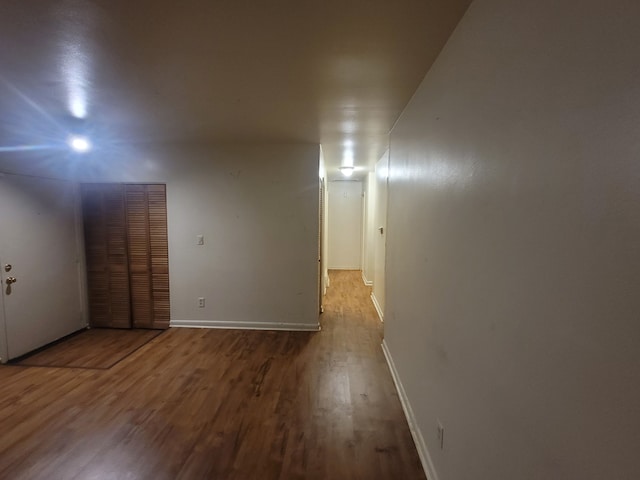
(218, 404)
(96, 348)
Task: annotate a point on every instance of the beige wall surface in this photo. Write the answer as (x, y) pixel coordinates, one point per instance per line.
(513, 254)
(257, 207)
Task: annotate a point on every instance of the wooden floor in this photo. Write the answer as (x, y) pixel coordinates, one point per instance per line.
(218, 404)
(96, 348)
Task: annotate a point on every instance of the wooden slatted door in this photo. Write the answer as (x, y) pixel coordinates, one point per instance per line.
(148, 255)
(142, 237)
(103, 210)
(159, 252)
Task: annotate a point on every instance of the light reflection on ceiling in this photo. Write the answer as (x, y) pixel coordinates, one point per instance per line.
(159, 72)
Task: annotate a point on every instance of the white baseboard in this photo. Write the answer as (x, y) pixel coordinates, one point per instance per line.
(377, 305)
(421, 446)
(368, 283)
(295, 327)
(344, 268)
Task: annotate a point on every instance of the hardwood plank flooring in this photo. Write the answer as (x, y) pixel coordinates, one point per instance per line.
(98, 348)
(219, 404)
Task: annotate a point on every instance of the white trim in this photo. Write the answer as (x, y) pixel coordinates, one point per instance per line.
(377, 305)
(4, 343)
(421, 446)
(368, 283)
(245, 325)
(81, 259)
(345, 268)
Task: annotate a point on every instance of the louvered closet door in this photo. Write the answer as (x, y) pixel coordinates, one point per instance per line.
(159, 250)
(127, 255)
(106, 255)
(148, 255)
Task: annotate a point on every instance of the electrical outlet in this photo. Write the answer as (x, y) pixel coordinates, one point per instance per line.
(201, 302)
(440, 435)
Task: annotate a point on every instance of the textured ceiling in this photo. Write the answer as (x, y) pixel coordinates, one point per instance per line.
(332, 72)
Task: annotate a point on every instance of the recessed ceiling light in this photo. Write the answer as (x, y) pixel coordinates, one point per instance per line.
(347, 171)
(79, 144)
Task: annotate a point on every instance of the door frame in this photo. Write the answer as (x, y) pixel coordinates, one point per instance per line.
(321, 243)
(4, 345)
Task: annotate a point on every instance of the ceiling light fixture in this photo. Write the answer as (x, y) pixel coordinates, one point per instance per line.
(347, 171)
(79, 144)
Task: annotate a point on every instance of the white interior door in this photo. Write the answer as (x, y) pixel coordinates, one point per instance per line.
(40, 249)
(345, 225)
(380, 235)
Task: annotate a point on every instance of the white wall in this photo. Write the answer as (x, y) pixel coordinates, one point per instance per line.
(380, 238)
(513, 254)
(345, 224)
(256, 205)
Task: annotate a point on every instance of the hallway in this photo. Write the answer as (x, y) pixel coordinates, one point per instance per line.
(219, 404)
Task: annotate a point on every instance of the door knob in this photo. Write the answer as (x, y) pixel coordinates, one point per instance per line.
(7, 267)
(10, 280)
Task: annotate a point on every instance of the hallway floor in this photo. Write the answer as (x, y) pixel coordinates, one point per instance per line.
(219, 404)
